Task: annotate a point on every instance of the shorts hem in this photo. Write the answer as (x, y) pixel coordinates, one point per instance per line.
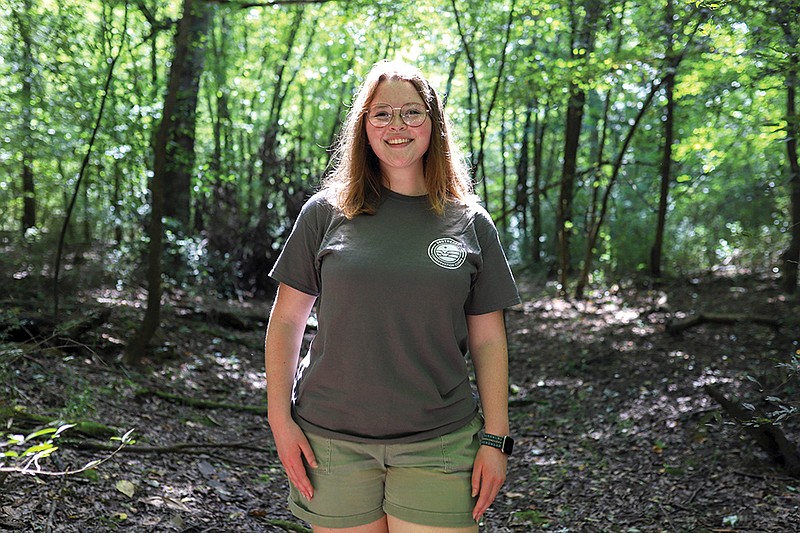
(429, 518)
(335, 521)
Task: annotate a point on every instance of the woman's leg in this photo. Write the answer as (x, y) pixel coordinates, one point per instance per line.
(378, 526)
(401, 526)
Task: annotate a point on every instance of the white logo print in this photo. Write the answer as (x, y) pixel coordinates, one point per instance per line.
(447, 253)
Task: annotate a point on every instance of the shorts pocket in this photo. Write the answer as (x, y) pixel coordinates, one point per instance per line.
(322, 448)
(460, 447)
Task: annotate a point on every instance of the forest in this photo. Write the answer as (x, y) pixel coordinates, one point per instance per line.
(639, 158)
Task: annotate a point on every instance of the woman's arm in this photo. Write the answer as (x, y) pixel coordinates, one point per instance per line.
(287, 323)
(489, 350)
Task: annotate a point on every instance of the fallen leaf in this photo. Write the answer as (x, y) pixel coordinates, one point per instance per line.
(126, 487)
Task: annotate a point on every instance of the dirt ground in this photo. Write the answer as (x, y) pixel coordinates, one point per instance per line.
(615, 431)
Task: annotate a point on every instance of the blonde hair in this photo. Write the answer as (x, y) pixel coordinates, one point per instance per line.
(355, 178)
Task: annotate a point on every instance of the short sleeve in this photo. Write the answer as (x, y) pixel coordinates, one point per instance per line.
(493, 286)
(297, 264)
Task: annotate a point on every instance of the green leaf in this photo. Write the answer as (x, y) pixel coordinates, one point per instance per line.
(63, 428)
(45, 431)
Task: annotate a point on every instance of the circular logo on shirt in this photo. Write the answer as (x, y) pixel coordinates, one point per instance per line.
(447, 253)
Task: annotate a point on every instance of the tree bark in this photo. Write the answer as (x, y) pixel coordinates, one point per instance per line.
(582, 45)
(792, 255)
(135, 349)
(180, 145)
(666, 154)
(539, 130)
(28, 219)
(522, 187)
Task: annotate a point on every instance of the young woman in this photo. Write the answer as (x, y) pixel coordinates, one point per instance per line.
(377, 427)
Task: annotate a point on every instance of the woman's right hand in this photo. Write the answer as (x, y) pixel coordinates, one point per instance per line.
(293, 447)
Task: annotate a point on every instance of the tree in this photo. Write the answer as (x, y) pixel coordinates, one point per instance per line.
(180, 155)
(785, 14)
(668, 129)
(23, 21)
(583, 37)
(134, 351)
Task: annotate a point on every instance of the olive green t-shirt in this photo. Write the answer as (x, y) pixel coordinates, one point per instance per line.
(388, 361)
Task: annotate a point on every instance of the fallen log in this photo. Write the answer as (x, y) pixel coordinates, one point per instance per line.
(37, 327)
(204, 404)
(20, 420)
(187, 448)
(770, 437)
(679, 325)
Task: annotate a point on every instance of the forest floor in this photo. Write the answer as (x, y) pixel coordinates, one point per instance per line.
(615, 432)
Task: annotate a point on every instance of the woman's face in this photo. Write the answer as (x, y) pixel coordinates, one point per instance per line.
(398, 146)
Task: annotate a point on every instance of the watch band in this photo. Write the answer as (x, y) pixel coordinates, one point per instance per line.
(505, 444)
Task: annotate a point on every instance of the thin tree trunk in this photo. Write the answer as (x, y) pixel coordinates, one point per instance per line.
(180, 146)
(28, 219)
(582, 45)
(666, 155)
(267, 152)
(522, 188)
(503, 174)
(482, 122)
(597, 220)
(539, 129)
(792, 255)
(135, 349)
(84, 166)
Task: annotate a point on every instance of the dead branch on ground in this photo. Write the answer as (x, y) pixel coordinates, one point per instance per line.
(770, 437)
(677, 326)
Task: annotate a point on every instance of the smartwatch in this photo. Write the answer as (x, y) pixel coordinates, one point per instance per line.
(504, 444)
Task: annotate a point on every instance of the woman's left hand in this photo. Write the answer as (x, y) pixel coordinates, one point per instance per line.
(488, 475)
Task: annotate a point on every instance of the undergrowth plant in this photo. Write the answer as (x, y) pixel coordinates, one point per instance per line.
(28, 454)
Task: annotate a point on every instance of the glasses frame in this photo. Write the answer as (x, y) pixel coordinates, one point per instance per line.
(367, 112)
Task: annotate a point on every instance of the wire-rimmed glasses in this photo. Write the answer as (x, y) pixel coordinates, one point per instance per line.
(412, 114)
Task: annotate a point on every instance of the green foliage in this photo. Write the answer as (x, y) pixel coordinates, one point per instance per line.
(532, 518)
(277, 82)
(25, 454)
(782, 399)
(30, 451)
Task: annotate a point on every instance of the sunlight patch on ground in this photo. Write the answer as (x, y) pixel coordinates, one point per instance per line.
(711, 376)
(254, 380)
(115, 297)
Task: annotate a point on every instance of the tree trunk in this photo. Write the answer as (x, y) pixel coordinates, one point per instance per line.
(180, 145)
(522, 187)
(595, 222)
(219, 217)
(28, 220)
(134, 351)
(792, 255)
(666, 156)
(539, 129)
(582, 45)
(483, 122)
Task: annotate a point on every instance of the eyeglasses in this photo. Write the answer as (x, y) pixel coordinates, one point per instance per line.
(412, 114)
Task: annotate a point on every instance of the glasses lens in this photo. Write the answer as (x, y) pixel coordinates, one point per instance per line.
(413, 114)
(380, 115)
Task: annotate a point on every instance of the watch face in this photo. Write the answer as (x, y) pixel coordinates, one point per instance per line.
(508, 445)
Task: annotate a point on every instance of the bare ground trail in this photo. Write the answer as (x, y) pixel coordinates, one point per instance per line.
(615, 432)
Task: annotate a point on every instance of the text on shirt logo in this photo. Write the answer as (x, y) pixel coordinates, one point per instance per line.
(447, 253)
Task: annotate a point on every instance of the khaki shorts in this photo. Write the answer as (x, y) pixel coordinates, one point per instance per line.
(427, 482)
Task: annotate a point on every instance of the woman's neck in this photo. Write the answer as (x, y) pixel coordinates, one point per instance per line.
(408, 182)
